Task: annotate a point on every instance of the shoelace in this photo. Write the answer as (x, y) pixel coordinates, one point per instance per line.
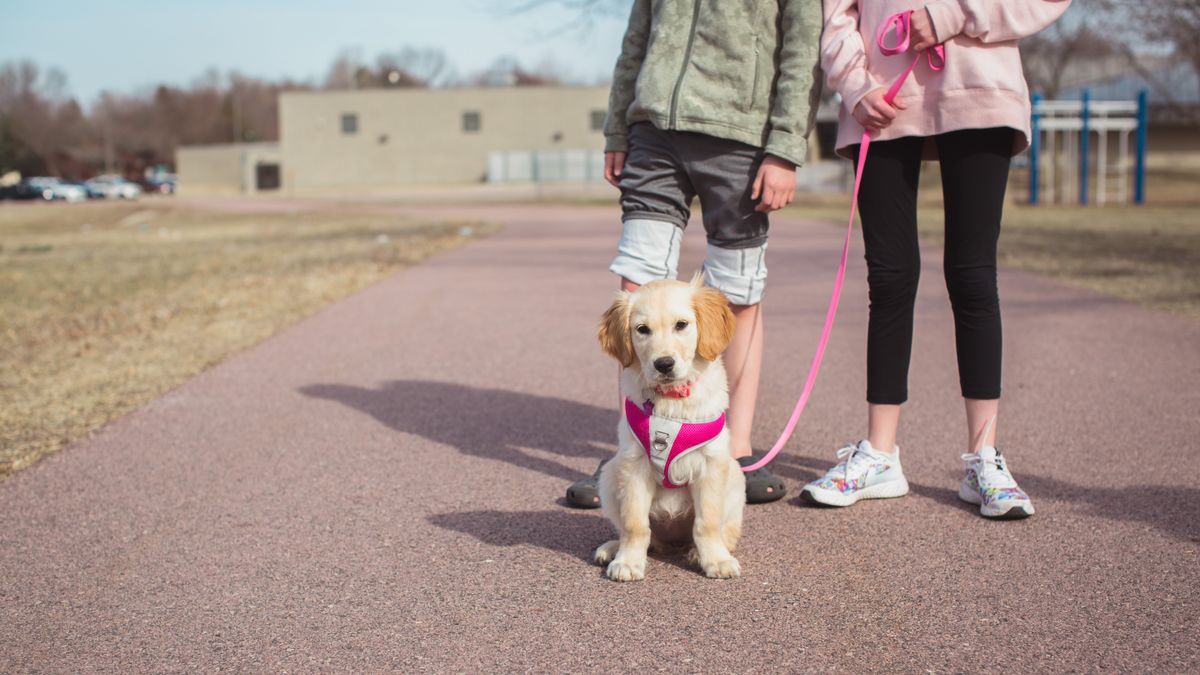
(850, 455)
(988, 472)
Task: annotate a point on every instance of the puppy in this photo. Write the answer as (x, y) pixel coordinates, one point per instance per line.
(684, 490)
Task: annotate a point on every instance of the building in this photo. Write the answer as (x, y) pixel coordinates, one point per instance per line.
(233, 168)
(366, 140)
(381, 140)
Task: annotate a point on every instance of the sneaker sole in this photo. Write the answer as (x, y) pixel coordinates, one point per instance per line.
(888, 490)
(1011, 513)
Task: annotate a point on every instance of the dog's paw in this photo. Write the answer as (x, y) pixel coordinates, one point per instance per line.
(623, 571)
(693, 557)
(606, 552)
(727, 568)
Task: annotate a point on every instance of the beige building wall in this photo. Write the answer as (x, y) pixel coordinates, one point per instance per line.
(223, 169)
(416, 137)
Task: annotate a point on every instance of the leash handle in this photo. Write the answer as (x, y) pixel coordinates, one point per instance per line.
(899, 24)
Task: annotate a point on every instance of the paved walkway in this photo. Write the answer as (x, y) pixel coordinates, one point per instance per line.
(379, 487)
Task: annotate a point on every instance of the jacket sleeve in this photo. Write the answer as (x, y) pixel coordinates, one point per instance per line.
(624, 81)
(993, 20)
(844, 54)
(798, 84)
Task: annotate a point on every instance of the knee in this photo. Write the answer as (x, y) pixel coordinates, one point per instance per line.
(648, 250)
(972, 288)
(893, 285)
(739, 273)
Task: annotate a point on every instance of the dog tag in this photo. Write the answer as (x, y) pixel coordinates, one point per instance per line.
(663, 433)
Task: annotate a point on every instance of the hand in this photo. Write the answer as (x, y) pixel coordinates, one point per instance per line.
(775, 182)
(874, 113)
(614, 162)
(921, 34)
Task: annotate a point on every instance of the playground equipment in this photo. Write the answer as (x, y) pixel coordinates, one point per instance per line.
(1061, 156)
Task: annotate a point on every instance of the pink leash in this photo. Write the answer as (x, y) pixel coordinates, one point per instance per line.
(937, 60)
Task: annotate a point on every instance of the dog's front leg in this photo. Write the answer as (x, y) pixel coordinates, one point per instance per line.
(708, 497)
(633, 525)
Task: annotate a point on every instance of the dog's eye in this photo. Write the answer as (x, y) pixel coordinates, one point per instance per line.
(680, 325)
(643, 329)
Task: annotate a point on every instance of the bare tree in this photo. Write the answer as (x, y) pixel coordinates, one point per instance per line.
(588, 9)
(39, 121)
(343, 72)
(507, 71)
(1168, 27)
(1050, 57)
(413, 67)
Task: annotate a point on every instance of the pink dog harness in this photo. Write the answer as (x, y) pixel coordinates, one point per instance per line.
(665, 439)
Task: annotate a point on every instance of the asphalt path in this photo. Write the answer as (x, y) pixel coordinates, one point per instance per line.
(379, 487)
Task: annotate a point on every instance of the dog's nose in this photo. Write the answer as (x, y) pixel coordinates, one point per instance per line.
(664, 364)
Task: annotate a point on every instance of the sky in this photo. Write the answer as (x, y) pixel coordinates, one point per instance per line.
(128, 46)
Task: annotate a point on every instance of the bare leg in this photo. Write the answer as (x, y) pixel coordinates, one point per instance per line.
(743, 363)
(979, 414)
(883, 420)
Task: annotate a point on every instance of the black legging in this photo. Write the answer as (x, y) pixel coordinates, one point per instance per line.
(974, 175)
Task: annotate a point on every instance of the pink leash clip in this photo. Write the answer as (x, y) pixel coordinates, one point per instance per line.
(899, 24)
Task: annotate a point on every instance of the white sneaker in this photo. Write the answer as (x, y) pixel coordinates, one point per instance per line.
(989, 484)
(863, 473)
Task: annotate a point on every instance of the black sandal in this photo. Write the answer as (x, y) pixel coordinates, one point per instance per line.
(762, 486)
(585, 493)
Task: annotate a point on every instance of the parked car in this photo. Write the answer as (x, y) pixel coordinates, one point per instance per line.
(112, 187)
(162, 184)
(48, 188)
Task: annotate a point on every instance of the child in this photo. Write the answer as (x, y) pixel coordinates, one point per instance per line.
(973, 116)
(711, 99)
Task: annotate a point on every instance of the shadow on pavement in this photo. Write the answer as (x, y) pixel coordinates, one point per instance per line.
(503, 425)
(1173, 510)
(573, 533)
(491, 423)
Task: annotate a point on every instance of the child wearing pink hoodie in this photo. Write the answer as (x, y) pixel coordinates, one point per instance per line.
(972, 116)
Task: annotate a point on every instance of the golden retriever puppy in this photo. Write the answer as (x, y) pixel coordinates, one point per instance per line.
(673, 483)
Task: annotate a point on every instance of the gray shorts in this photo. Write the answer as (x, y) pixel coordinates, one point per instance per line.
(664, 170)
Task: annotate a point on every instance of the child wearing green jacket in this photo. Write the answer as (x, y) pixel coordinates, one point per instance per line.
(712, 99)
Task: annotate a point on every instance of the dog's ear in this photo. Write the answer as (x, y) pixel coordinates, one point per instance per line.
(614, 331)
(714, 322)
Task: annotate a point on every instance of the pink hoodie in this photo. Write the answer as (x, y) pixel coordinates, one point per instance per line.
(981, 86)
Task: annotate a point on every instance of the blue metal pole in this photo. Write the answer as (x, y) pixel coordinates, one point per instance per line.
(1139, 176)
(1083, 150)
(1035, 145)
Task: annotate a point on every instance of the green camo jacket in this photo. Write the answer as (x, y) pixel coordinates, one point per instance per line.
(746, 70)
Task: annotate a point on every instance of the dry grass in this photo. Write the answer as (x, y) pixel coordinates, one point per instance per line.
(105, 306)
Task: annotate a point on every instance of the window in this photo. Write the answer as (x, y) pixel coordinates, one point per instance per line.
(471, 121)
(349, 123)
(598, 120)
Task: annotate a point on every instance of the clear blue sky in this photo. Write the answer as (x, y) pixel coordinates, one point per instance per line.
(127, 45)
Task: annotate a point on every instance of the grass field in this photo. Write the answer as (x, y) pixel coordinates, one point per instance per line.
(105, 306)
